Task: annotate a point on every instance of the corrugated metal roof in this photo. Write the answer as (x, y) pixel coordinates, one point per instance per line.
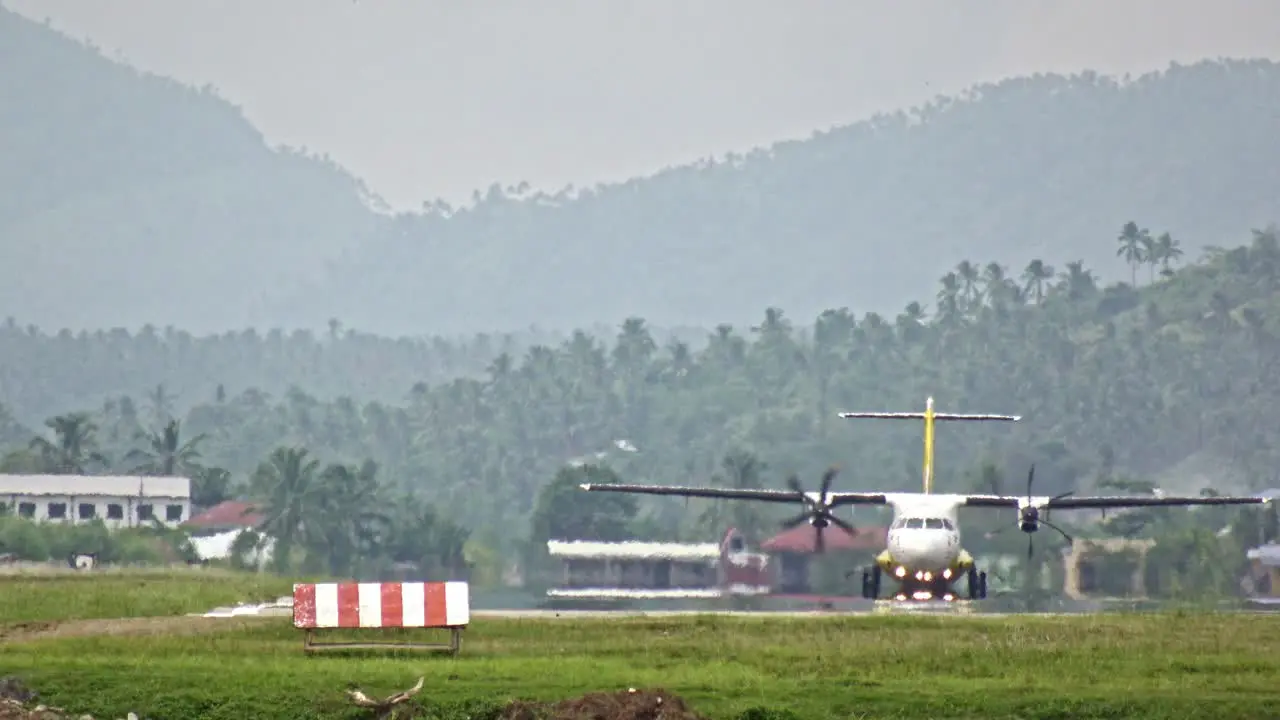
(634, 550)
(101, 485)
(1267, 554)
(804, 539)
(227, 514)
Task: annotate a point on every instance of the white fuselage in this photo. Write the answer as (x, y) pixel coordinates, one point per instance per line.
(925, 534)
(925, 543)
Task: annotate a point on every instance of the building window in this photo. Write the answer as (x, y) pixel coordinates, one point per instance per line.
(115, 511)
(145, 512)
(173, 513)
(26, 510)
(87, 511)
(57, 511)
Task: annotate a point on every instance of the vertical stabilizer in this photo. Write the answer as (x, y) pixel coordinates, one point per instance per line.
(927, 467)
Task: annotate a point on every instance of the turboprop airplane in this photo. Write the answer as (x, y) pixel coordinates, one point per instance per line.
(923, 553)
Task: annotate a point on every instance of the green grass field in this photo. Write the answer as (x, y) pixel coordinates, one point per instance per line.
(1149, 666)
(75, 596)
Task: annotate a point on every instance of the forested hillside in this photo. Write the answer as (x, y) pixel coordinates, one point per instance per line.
(128, 199)
(863, 215)
(1173, 382)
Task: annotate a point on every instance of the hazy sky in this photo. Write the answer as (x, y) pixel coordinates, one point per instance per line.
(428, 98)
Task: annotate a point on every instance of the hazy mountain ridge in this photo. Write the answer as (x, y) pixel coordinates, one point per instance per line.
(129, 198)
(1017, 170)
(135, 200)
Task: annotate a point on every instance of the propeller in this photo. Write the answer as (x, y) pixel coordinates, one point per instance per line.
(1029, 519)
(817, 512)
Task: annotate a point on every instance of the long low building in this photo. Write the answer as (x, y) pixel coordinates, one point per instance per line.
(117, 500)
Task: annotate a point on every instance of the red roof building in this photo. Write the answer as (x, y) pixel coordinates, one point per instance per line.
(228, 515)
(802, 539)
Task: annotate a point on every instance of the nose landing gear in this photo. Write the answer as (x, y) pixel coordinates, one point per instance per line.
(977, 584)
(871, 583)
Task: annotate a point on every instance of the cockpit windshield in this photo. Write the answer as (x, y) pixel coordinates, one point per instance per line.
(924, 524)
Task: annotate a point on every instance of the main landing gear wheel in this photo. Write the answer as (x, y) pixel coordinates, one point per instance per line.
(977, 584)
(871, 583)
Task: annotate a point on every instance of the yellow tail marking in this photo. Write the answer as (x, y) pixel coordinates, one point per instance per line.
(928, 447)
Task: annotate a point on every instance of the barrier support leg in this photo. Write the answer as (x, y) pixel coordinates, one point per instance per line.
(454, 645)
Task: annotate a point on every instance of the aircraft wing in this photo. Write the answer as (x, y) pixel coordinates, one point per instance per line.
(1109, 501)
(780, 496)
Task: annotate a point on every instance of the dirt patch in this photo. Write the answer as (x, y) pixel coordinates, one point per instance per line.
(655, 704)
(24, 632)
(18, 702)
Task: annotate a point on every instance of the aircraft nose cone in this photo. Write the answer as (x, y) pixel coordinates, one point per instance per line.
(906, 554)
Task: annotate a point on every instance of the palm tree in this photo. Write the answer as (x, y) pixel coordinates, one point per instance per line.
(161, 404)
(910, 322)
(75, 447)
(347, 523)
(635, 345)
(741, 471)
(1132, 241)
(1149, 255)
(995, 281)
(432, 542)
(949, 299)
(210, 486)
(286, 483)
(1077, 281)
(167, 454)
(1165, 252)
(967, 272)
(1035, 277)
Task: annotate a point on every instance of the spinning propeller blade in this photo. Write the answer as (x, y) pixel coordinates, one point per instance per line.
(1030, 518)
(817, 512)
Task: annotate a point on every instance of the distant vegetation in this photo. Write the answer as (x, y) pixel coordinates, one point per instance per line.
(127, 199)
(1170, 384)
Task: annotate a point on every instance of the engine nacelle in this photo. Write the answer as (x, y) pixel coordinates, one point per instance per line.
(1029, 519)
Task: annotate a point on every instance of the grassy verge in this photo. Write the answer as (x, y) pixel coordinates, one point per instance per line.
(1150, 666)
(52, 597)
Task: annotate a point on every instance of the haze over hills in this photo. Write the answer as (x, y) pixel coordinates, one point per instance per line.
(136, 200)
(432, 98)
(128, 198)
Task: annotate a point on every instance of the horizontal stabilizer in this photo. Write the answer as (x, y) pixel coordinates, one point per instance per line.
(936, 416)
(605, 593)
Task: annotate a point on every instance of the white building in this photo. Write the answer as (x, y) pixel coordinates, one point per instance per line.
(118, 500)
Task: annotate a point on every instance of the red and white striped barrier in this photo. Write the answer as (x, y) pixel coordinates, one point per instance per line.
(381, 605)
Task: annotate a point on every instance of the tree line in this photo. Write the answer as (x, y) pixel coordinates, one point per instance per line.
(321, 518)
(1171, 381)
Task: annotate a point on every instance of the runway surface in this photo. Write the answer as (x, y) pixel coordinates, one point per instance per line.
(284, 608)
(583, 614)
